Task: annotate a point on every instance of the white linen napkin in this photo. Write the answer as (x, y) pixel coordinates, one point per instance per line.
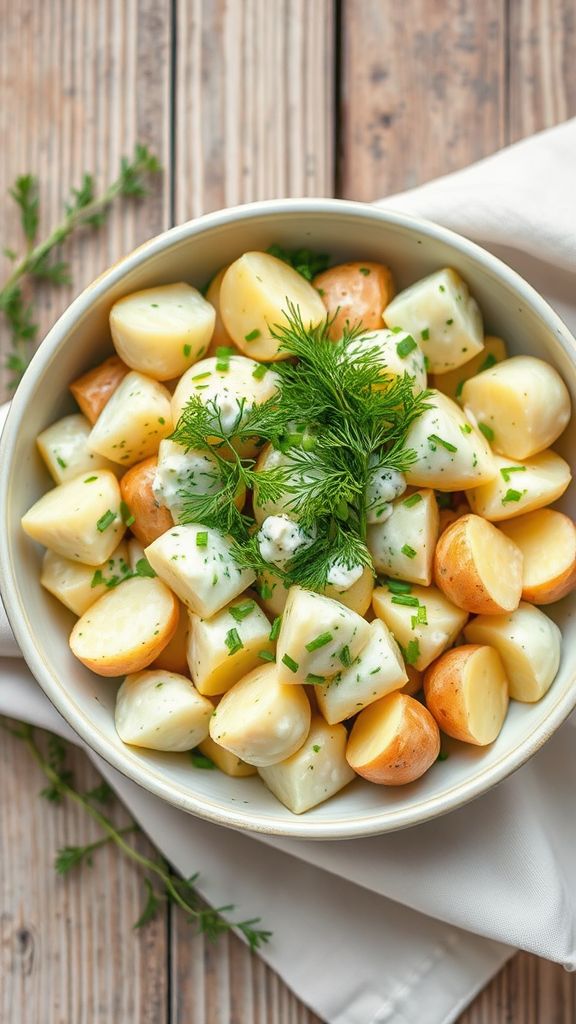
(408, 926)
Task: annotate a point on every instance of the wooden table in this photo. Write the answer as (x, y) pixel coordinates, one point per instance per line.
(242, 100)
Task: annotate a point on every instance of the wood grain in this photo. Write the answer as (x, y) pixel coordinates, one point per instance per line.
(542, 68)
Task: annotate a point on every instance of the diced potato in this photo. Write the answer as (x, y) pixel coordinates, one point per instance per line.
(315, 772)
(268, 459)
(451, 455)
(151, 520)
(161, 331)
(451, 383)
(547, 540)
(399, 354)
(80, 519)
(64, 448)
(466, 691)
(133, 421)
(228, 392)
(172, 658)
(198, 565)
(422, 635)
(254, 297)
(135, 552)
(161, 711)
(228, 645)
(394, 741)
(272, 594)
(220, 337)
(478, 567)
(358, 597)
(261, 720)
(403, 545)
(377, 670)
(228, 763)
(317, 637)
(125, 630)
(78, 586)
(93, 389)
(447, 516)
(521, 487)
(442, 316)
(528, 643)
(355, 293)
(522, 403)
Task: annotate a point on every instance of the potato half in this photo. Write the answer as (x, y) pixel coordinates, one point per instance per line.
(423, 621)
(64, 448)
(93, 389)
(403, 545)
(151, 520)
(547, 540)
(478, 567)
(466, 691)
(315, 772)
(172, 658)
(398, 353)
(220, 336)
(451, 454)
(394, 741)
(161, 711)
(125, 630)
(520, 487)
(317, 637)
(451, 383)
(224, 648)
(355, 293)
(79, 586)
(377, 670)
(133, 421)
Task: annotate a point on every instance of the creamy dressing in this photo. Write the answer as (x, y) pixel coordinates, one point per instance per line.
(385, 484)
(180, 472)
(280, 538)
(343, 576)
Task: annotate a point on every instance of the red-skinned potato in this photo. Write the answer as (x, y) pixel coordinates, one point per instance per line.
(478, 567)
(466, 691)
(547, 540)
(393, 741)
(151, 520)
(93, 389)
(355, 293)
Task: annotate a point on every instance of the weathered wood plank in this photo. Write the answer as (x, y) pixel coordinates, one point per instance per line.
(542, 44)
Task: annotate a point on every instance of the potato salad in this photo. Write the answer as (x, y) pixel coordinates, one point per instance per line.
(305, 518)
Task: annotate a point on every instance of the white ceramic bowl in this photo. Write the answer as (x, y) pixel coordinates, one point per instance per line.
(193, 252)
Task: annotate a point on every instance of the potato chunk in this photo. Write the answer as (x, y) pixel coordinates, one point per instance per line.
(478, 567)
(547, 540)
(225, 761)
(528, 643)
(394, 741)
(125, 630)
(355, 293)
(64, 448)
(358, 597)
(466, 691)
(522, 403)
(399, 354)
(315, 772)
(80, 519)
(161, 711)
(254, 297)
(151, 520)
(93, 389)
(161, 331)
(451, 383)
(442, 316)
(451, 455)
(520, 487)
(220, 337)
(403, 545)
(172, 658)
(228, 645)
(261, 720)
(423, 621)
(197, 564)
(315, 636)
(78, 586)
(133, 421)
(377, 670)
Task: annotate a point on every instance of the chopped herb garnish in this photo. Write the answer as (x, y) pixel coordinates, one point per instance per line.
(441, 288)
(406, 346)
(200, 760)
(201, 376)
(90, 479)
(425, 334)
(161, 420)
(253, 335)
(408, 551)
(487, 431)
(449, 322)
(242, 611)
(315, 746)
(319, 641)
(407, 599)
(412, 652)
(507, 470)
(106, 520)
(399, 587)
(365, 271)
(443, 756)
(314, 679)
(420, 619)
(61, 463)
(414, 499)
(465, 428)
(186, 350)
(275, 631)
(233, 641)
(459, 388)
(266, 656)
(260, 371)
(202, 539)
(345, 656)
(512, 495)
(97, 579)
(266, 591)
(434, 440)
(290, 663)
(127, 517)
(488, 362)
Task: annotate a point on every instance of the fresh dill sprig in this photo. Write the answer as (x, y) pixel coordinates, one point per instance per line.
(305, 261)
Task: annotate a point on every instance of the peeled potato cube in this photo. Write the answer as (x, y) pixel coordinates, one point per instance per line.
(466, 691)
(399, 354)
(78, 586)
(452, 383)
(151, 520)
(79, 519)
(261, 720)
(172, 658)
(64, 448)
(377, 670)
(403, 545)
(355, 293)
(547, 540)
(161, 331)
(424, 621)
(133, 422)
(394, 741)
(220, 337)
(125, 630)
(227, 646)
(255, 295)
(315, 772)
(161, 711)
(528, 643)
(93, 389)
(478, 567)
(442, 316)
(522, 402)
(520, 487)
(450, 454)
(358, 597)
(272, 594)
(316, 634)
(197, 564)
(228, 763)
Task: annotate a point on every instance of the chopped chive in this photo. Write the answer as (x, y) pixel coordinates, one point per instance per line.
(186, 350)
(275, 631)
(412, 652)
(201, 376)
(233, 641)
(253, 335)
(365, 271)
(202, 539)
(396, 330)
(443, 756)
(412, 500)
(106, 520)
(315, 680)
(97, 579)
(223, 365)
(201, 761)
(399, 587)
(406, 346)
(487, 431)
(425, 334)
(420, 619)
(290, 663)
(465, 428)
(266, 656)
(143, 568)
(241, 611)
(224, 352)
(161, 420)
(316, 746)
(507, 470)
(459, 388)
(441, 288)
(449, 322)
(308, 443)
(426, 363)
(488, 362)
(434, 439)
(127, 517)
(89, 479)
(319, 641)
(61, 463)
(408, 551)
(407, 599)
(266, 591)
(512, 495)
(260, 371)
(345, 656)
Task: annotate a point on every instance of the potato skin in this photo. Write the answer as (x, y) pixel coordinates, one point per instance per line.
(412, 749)
(456, 571)
(352, 295)
(444, 683)
(151, 519)
(93, 389)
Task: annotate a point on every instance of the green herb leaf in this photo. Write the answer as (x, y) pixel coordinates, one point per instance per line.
(320, 641)
(199, 760)
(406, 346)
(435, 440)
(414, 499)
(290, 663)
(241, 611)
(487, 431)
(506, 471)
(233, 641)
(105, 520)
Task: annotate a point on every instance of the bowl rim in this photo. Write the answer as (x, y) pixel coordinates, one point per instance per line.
(146, 775)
